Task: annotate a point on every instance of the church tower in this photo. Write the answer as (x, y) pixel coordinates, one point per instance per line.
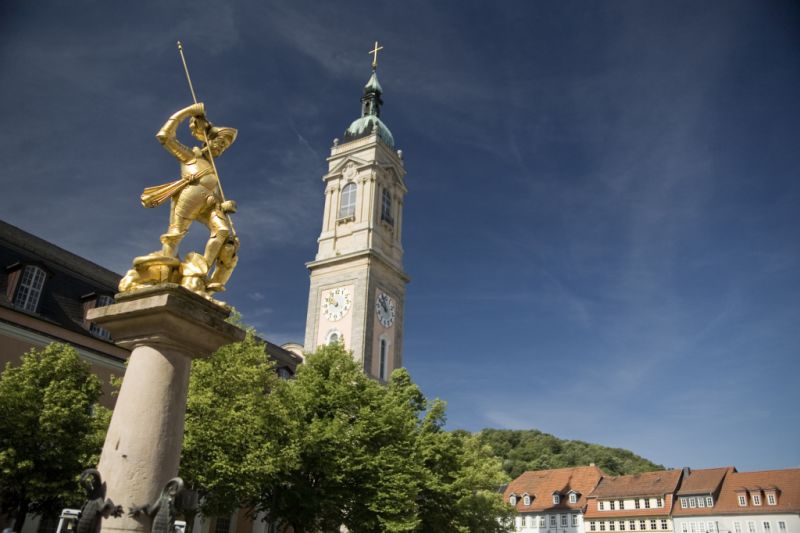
(357, 292)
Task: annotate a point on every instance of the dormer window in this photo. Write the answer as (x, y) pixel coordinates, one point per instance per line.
(347, 202)
(701, 502)
(512, 499)
(742, 500)
(659, 502)
(29, 290)
(772, 499)
(684, 503)
(611, 505)
(94, 329)
(709, 501)
(600, 505)
(756, 499)
(526, 500)
(556, 498)
(573, 497)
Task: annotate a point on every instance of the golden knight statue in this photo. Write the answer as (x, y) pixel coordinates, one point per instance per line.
(196, 195)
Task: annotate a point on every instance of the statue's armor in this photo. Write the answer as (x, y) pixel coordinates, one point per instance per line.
(199, 199)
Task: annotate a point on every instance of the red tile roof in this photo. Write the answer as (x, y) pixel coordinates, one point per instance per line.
(540, 485)
(656, 483)
(704, 481)
(786, 483)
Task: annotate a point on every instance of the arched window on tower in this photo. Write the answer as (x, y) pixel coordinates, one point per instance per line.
(347, 202)
(386, 207)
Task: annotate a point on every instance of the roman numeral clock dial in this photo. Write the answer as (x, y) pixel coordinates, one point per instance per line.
(385, 308)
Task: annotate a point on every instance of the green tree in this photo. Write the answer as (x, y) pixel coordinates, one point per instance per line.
(230, 440)
(51, 428)
(522, 450)
(369, 457)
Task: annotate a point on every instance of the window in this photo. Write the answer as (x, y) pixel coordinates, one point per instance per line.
(701, 502)
(223, 524)
(386, 207)
(382, 375)
(692, 503)
(771, 499)
(622, 504)
(642, 525)
(782, 527)
(766, 527)
(737, 527)
(652, 524)
(347, 202)
(334, 336)
(684, 528)
(636, 503)
(751, 527)
(573, 498)
(574, 520)
(611, 505)
(30, 288)
(611, 526)
(564, 519)
(599, 506)
(602, 525)
(756, 499)
(553, 520)
(556, 499)
(511, 499)
(694, 527)
(647, 503)
(663, 524)
(542, 521)
(622, 525)
(709, 501)
(526, 499)
(684, 503)
(742, 500)
(632, 523)
(659, 502)
(94, 329)
(592, 526)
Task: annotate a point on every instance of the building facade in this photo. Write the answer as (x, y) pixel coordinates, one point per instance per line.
(745, 502)
(357, 286)
(639, 502)
(551, 501)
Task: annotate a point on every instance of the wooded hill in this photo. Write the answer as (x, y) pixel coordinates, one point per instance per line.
(530, 449)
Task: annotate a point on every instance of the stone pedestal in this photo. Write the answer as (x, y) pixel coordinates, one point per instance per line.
(165, 326)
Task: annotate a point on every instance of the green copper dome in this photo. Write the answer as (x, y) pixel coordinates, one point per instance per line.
(361, 127)
(370, 115)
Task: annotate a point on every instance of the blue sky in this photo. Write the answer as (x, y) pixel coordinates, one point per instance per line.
(602, 219)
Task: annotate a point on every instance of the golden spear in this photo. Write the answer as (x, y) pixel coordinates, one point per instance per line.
(205, 136)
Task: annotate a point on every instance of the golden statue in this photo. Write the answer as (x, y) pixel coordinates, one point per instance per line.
(195, 196)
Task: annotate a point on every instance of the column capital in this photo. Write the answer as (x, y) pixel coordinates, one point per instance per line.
(167, 316)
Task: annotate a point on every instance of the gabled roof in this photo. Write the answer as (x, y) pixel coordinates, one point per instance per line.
(657, 483)
(542, 484)
(785, 482)
(704, 481)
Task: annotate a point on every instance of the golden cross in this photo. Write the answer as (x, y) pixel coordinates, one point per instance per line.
(374, 53)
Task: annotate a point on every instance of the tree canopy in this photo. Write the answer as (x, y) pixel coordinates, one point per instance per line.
(51, 429)
(332, 447)
(522, 450)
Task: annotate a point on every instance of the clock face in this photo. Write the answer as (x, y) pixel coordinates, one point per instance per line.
(384, 306)
(336, 304)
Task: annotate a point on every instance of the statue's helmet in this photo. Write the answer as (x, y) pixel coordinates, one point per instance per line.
(221, 138)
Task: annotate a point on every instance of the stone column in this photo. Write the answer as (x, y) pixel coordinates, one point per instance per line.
(165, 326)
